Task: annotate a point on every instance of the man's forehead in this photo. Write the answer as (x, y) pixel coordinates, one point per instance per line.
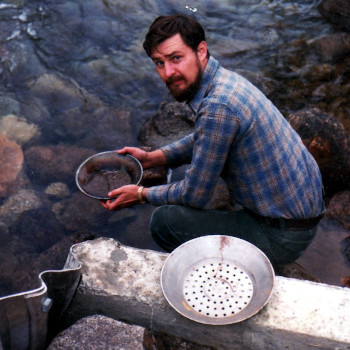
(169, 47)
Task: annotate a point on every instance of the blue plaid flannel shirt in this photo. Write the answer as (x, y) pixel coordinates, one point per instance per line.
(242, 137)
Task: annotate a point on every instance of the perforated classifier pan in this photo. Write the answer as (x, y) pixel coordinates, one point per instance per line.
(217, 279)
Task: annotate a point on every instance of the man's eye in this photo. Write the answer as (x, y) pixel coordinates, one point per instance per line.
(159, 63)
(176, 58)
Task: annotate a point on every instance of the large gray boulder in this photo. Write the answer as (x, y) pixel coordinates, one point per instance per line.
(336, 12)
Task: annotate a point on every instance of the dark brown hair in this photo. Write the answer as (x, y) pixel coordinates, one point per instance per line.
(164, 27)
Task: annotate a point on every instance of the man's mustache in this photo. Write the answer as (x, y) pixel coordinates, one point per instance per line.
(171, 80)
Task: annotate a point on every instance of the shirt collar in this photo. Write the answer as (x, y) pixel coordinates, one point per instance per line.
(207, 77)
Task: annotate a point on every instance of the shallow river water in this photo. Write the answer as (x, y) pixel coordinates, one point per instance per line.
(75, 71)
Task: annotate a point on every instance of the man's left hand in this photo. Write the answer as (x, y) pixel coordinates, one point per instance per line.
(122, 197)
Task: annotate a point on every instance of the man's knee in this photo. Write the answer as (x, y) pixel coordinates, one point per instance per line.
(157, 219)
(160, 229)
(163, 216)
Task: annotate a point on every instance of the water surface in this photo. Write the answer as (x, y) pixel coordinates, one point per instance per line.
(77, 70)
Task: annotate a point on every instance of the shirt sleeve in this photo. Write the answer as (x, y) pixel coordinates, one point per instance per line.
(179, 152)
(214, 133)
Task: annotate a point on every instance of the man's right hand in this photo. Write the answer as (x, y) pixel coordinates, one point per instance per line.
(147, 159)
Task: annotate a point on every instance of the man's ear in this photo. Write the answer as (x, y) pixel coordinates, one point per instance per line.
(202, 52)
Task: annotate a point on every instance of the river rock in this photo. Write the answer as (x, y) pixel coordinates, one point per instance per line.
(172, 121)
(336, 12)
(103, 128)
(339, 208)
(320, 72)
(4, 234)
(8, 105)
(78, 212)
(18, 203)
(11, 156)
(99, 332)
(347, 251)
(40, 228)
(227, 47)
(58, 190)
(55, 163)
(26, 275)
(34, 111)
(267, 85)
(56, 88)
(8, 265)
(154, 176)
(328, 142)
(332, 47)
(51, 90)
(18, 129)
(21, 62)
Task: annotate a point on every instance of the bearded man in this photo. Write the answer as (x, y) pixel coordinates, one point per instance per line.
(239, 136)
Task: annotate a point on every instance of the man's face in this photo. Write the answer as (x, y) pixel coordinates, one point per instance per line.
(179, 66)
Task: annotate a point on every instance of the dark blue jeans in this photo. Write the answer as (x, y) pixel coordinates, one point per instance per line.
(172, 225)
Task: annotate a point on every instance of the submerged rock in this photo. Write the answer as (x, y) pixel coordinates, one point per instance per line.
(332, 47)
(8, 105)
(39, 228)
(18, 129)
(4, 234)
(8, 264)
(11, 156)
(79, 212)
(337, 12)
(55, 163)
(17, 204)
(57, 88)
(328, 142)
(104, 128)
(267, 85)
(227, 47)
(57, 189)
(339, 208)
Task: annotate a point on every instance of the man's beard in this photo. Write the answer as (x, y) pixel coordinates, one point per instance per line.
(190, 91)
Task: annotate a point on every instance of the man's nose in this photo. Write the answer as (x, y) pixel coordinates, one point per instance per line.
(169, 70)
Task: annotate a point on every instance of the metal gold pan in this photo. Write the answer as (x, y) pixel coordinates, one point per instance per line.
(217, 279)
(105, 171)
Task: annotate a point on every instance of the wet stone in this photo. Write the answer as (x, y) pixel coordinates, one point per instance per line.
(99, 184)
(80, 212)
(25, 275)
(40, 228)
(4, 234)
(18, 129)
(339, 208)
(11, 156)
(57, 189)
(337, 12)
(99, 332)
(172, 121)
(333, 47)
(267, 85)
(227, 47)
(8, 105)
(20, 202)
(55, 163)
(328, 142)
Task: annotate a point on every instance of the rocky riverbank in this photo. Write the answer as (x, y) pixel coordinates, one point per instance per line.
(56, 119)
